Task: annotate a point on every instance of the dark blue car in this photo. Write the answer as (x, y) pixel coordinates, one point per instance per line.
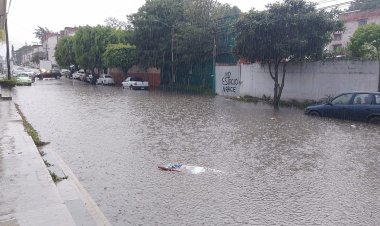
(356, 106)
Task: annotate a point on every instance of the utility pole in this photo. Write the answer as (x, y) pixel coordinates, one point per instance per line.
(7, 44)
(173, 76)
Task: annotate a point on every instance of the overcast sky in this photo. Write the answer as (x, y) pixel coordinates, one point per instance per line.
(26, 15)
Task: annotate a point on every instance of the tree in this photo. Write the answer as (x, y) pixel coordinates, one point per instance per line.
(366, 43)
(184, 28)
(120, 56)
(290, 31)
(117, 24)
(64, 53)
(90, 43)
(36, 57)
(41, 33)
(364, 5)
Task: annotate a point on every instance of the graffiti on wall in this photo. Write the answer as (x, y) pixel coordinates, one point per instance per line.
(230, 85)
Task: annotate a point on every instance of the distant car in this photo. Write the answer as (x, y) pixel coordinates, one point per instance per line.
(356, 106)
(105, 79)
(135, 83)
(78, 74)
(65, 72)
(23, 80)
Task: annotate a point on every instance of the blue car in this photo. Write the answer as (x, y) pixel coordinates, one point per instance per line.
(356, 106)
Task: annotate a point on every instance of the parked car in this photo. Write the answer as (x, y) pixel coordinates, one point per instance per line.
(135, 83)
(78, 74)
(65, 72)
(105, 79)
(356, 106)
(23, 80)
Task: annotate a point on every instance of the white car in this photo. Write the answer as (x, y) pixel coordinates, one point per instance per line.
(135, 83)
(78, 74)
(105, 79)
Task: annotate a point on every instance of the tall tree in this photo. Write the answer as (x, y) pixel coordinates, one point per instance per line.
(290, 31)
(155, 25)
(90, 44)
(178, 33)
(366, 43)
(364, 5)
(41, 32)
(64, 52)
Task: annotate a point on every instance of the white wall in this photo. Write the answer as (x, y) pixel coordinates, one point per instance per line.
(227, 81)
(304, 81)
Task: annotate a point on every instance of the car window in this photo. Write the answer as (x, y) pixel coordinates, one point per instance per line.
(377, 98)
(363, 98)
(108, 76)
(342, 99)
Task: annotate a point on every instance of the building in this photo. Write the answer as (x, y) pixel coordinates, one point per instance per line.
(49, 42)
(352, 20)
(24, 55)
(68, 31)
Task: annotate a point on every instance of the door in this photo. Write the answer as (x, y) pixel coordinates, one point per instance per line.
(340, 106)
(362, 106)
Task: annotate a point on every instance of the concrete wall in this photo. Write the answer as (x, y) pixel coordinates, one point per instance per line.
(228, 80)
(304, 81)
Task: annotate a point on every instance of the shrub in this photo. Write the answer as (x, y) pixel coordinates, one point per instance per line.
(8, 83)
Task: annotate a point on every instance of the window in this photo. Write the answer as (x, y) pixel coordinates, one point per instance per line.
(337, 37)
(342, 99)
(363, 99)
(377, 99)
(362, 22)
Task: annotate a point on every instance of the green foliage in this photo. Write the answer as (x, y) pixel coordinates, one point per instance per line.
(365, 42)
(290, 31)
(64, 53)
(190, 25)
(8, 83)
(364, 5)
(120, 56)
(90, 43)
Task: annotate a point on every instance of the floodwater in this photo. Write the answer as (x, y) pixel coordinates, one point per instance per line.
(253, 166)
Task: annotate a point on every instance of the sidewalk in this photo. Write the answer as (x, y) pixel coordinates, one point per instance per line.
(28, 195)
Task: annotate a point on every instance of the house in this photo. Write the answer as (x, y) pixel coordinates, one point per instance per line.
(352, 20)
(49, 42)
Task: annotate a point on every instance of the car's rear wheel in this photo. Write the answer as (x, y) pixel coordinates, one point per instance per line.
(374, 120)
(314, 113)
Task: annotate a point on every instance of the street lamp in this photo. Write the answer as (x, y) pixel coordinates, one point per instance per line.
(172, 46)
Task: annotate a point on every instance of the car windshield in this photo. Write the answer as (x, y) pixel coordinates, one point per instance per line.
(22, 75)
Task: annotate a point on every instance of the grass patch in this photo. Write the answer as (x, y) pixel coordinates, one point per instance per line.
(56, 178)
(30, 130)
(47, 163)
(6, 83)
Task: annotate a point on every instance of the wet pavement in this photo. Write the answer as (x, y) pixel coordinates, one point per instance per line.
(28, 195)
(261, 167)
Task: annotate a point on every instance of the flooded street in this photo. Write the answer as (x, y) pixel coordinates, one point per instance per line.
(261, 167)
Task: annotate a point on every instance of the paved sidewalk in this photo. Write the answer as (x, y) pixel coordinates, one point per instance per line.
(28, 195)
